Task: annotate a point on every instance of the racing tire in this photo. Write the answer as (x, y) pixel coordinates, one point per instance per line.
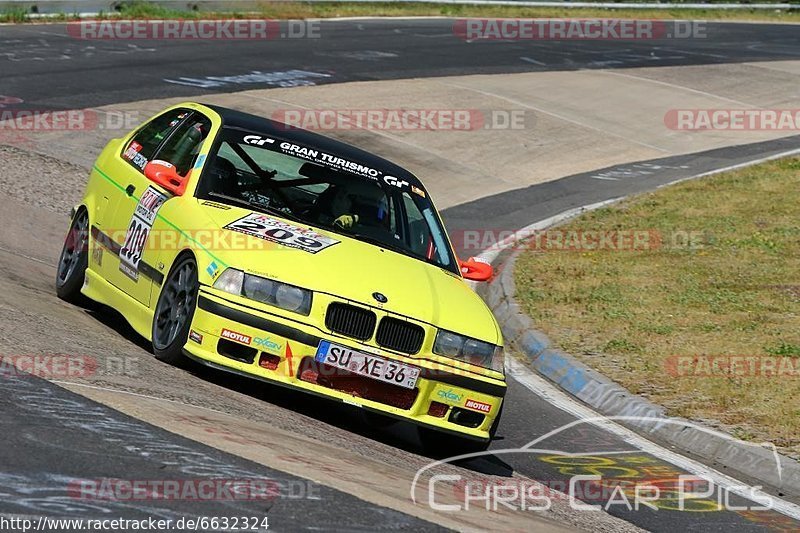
(175, 310)
(74, 260)
(443, 444)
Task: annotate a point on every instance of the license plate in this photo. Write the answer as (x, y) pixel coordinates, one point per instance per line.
(368, 365)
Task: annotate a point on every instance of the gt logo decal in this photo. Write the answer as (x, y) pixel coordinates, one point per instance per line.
(391, 180)
(234, 336)
(257, 141)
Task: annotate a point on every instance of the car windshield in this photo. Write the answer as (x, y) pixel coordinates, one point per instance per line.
(299, 183)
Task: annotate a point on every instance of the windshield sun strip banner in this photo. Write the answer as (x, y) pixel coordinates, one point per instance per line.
(331, 161)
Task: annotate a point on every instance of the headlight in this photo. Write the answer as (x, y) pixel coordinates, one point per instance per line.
(470, 350)
(265, 290)
(230, 281)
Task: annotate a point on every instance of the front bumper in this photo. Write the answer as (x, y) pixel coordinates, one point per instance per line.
(248, 341)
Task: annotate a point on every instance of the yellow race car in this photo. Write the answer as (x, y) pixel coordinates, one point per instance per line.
(283, 255)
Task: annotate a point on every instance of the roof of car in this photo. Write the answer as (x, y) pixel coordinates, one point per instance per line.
(256, 124)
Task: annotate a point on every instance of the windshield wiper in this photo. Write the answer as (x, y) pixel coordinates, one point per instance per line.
(397, 249)
(256, 207)
(380, 243)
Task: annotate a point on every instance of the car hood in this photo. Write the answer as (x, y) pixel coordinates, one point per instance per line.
(354, 270)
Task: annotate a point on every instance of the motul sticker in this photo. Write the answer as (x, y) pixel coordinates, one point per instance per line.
(234, 336)
(478, 406)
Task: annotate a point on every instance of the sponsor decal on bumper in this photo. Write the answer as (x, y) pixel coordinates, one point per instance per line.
(234, 336)
(478, 406)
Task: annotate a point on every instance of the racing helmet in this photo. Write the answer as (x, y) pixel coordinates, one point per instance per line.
(363, 198)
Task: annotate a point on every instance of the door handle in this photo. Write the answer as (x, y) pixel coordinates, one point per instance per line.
(130, 189)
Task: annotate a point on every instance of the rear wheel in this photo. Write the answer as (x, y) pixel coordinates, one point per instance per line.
(74, 259)
(175, 310)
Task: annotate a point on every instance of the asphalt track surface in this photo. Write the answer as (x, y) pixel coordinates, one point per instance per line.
(85, 73)
(34, 64)
(82, 443)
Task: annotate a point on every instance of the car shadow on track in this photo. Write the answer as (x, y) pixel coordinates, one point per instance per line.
(395, 433)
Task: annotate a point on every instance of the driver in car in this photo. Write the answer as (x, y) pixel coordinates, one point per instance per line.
(365, 205)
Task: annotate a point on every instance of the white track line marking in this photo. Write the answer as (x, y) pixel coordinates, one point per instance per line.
(31, 258)
(531, 60)
(490, 254)
(555, 115)
(680, 87)
(738, 166)
(554, 396)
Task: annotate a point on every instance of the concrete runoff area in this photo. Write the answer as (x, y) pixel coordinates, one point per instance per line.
(568, 122)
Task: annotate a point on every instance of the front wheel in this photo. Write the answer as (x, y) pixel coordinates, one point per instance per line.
(175, 310)
(74, 259)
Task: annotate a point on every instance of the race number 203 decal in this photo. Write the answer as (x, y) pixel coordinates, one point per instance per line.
(138, 230)
(277, 231)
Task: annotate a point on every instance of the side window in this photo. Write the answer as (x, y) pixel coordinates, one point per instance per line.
(144, 144)
(184, 143)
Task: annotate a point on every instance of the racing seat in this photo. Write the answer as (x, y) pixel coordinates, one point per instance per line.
(183, 152)
(223, 177)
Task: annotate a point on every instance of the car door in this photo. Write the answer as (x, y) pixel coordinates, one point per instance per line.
(134, 267)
